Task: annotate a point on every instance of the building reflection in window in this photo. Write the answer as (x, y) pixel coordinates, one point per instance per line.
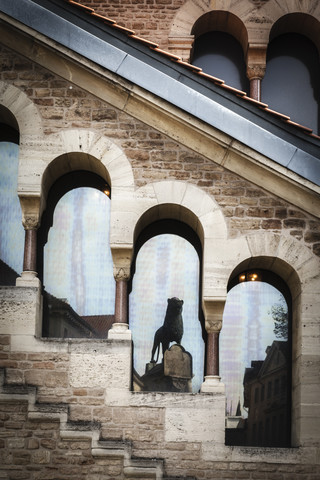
(255, 364)
(78, 269)
(166, 266)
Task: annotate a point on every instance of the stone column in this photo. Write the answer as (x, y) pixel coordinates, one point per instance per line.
(121, 302)
(256, 69)
(212, 365)
(121, 271)
(30, 248)
(30, 220)
(255, 73)
(213, 310)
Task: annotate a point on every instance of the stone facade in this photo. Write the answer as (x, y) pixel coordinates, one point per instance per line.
(67, 409)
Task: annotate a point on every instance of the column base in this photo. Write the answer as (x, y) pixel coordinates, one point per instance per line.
(212, 384)
(119, 331)
(28, 279)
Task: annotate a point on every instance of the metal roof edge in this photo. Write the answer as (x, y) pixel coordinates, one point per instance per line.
(169, 81)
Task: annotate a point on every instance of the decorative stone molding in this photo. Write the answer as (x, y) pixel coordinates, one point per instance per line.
(213, 312)
(212, 384)
(30, 206)
(122, 256)
(256, 71)
(181, 45)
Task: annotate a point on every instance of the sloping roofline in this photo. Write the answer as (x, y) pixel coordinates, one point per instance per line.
(161, 74)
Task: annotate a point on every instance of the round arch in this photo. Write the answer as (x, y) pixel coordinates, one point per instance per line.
(297, 22)
(222, 21)
(299, 269)
(22, 111)
(86, 150)
(181, 201)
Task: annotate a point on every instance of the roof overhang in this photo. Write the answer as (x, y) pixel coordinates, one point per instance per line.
(166, 96)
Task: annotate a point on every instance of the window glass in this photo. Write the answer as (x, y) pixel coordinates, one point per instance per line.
(167, 266)
(254, 354)
(78, 268)
(293, 67)
(220, 54)
(11, 229)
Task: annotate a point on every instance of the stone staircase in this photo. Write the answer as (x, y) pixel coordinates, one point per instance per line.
(133, 468)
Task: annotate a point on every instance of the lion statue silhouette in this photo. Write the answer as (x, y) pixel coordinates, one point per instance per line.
(171, 330)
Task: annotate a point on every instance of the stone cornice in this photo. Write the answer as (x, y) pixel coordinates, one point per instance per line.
(161, 115)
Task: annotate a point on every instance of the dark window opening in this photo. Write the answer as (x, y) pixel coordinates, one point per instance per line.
(221, 55)
(292, 79)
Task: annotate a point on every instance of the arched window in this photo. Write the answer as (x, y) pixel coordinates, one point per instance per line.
(167, 266)
(77, 268)
(221, 55)
(291, 82)
(220, 41)
(11, 229)
(255, 352)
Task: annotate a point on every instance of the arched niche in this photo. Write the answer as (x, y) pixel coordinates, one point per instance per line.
(256, 356)
(293, 65)
(11, 232)
(9, 128)
(167, 264)
(74, 257)
(221, 21)
(299, 269)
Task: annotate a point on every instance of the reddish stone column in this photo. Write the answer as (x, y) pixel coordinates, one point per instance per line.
(212, 365)
(255, 89)
(30, 251)
(121, 302)
(255, 74)
(213, 312)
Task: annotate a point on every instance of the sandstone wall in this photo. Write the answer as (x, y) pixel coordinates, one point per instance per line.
(155, 157)
(67, 410)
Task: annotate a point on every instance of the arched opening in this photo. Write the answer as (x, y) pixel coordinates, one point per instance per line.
(255, 348)
(74, 258)
(220, 46)
(293, 67)
(165, 274)
(11, 232)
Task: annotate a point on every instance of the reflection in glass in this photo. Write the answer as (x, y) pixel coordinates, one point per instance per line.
(78, 268)
(166, 266)
(254, 363)
(11, 231)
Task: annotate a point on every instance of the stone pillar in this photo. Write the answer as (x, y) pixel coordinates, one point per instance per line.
(256, 69)
(30, 249)
(255, 74)
(121, 270)
(30, 220)
(121, 303)
(212, 365)
(213, 310)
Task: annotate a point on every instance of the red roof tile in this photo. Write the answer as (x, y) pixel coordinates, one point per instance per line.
(175, 58)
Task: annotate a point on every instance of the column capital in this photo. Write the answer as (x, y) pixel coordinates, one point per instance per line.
(30, 206)
(213, 312)
(122, 256)
(256, 71)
